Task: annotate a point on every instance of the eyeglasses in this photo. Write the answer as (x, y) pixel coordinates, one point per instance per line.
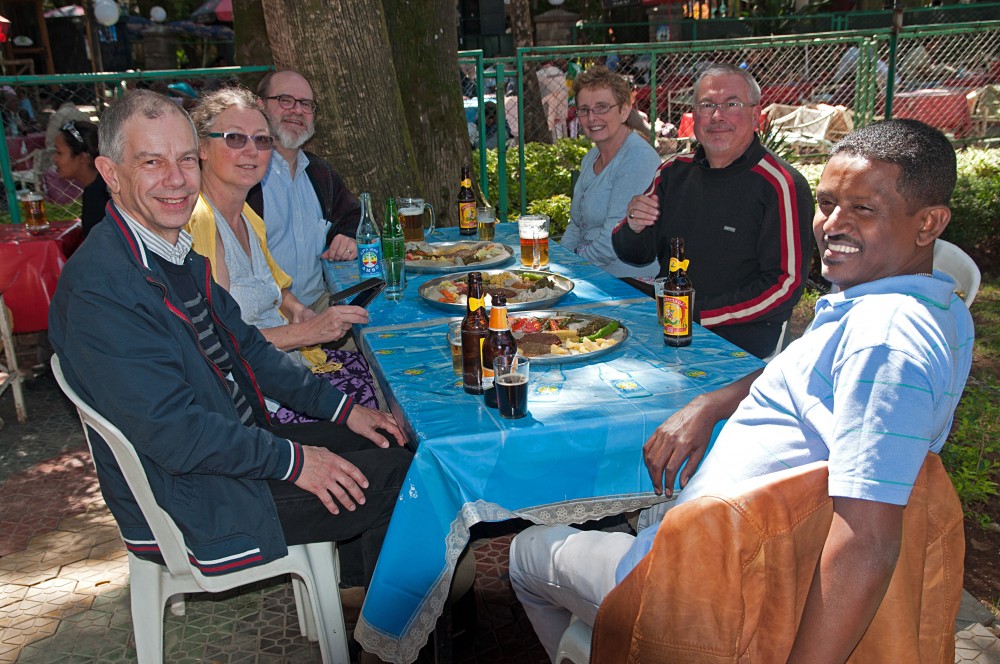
(73, 131)
(598, 109)
(707, 108)
(239, 141)
(288, 102)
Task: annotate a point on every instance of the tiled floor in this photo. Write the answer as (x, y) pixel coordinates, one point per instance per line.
(64, 594)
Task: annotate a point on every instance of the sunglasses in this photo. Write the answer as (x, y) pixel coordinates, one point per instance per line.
(73, 131)
(238, 141)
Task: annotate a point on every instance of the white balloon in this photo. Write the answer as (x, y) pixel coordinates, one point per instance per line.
(106, 12)
(158, 14)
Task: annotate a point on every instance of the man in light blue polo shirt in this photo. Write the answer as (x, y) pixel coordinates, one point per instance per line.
(871, 387)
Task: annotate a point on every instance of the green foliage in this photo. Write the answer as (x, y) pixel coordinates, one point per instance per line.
(973, 448)
(547, 168)
(557, 210)
(976, 201)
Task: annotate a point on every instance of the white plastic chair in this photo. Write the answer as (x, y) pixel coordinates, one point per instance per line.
(574, 646)
(959, 266)
(10, 375)
(780, 346)
(314, 567)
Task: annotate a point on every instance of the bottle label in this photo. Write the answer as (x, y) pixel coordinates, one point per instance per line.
(678, 265)
(676, 318)
(475, 303)
(467, 183)
(467, 215)
(369, 260)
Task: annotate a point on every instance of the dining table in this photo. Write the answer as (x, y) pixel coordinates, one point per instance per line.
(576, 457)
(30, 264)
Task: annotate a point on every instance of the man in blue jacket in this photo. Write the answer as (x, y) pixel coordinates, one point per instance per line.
(158, 348)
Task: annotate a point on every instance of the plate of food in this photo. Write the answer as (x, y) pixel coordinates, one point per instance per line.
(447, 256)
(553, 337)
(525, 289)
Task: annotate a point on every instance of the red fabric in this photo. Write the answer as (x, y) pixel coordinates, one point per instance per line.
(30, 267)
(672, 83)
(20, 148)
(945, 109)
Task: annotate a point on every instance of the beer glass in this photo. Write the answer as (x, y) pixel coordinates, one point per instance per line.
(511, 380)
(533, 230)
(411, 217)
(455, 342)
(33, 212)
(486, 218)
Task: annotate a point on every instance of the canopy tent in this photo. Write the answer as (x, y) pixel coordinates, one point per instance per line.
(214, 11)
(4, 29)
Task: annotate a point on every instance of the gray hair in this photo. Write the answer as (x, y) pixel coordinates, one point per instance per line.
(150, 105)
(726, 69)
(214, 103)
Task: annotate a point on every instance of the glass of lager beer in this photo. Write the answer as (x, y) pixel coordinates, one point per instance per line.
(33, 212)
(411, 217)
(533, 230)
(486, 218)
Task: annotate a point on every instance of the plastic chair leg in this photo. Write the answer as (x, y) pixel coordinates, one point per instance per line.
(326, 602)
(303, 607)
(147, 610)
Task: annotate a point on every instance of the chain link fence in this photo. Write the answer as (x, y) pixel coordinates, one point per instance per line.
(814, 90)
(35, 109)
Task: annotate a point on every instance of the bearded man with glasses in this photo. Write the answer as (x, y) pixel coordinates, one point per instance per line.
(743, 213)
(307, 209)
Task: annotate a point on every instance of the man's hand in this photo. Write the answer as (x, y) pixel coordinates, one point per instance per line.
(329, 476)
(686, 434)
(364, 422)
(342, 248)
(335, 322)
(642, 212)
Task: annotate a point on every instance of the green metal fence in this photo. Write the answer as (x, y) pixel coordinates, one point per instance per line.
(26, 154)
(815, 88)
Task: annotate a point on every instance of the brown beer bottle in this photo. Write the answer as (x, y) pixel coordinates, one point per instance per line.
(677, 303)
(499, 342)
(474, 329)
(467, 223)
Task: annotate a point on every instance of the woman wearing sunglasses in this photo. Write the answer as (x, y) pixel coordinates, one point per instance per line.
(235, 148)
(619, 166)
(75, 150)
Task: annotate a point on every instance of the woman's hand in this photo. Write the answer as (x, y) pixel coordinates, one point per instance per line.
(334, 323)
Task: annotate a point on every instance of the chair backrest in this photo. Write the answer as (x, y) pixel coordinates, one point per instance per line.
(959, 266)
(168, 535)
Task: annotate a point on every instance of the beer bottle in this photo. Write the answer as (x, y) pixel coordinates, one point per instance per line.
(368, 241)
(677, 301)
(499, 342)
(474, 328)
(467, 224)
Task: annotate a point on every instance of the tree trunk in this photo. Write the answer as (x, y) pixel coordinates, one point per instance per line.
(251, 45)
(424, 39)
(534, 124)
(341, 48)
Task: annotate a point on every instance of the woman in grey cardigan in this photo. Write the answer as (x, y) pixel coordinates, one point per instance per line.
(619, 166)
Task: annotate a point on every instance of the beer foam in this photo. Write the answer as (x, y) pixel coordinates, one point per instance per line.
(411, 211)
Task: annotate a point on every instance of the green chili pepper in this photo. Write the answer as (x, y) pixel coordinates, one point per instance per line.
(604, 331)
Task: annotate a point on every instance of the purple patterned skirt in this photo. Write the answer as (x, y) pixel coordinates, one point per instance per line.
(354, 379)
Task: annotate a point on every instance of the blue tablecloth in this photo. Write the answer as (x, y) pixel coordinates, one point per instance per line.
(576, 457)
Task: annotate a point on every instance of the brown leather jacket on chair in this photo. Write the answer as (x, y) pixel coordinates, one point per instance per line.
(727, 579)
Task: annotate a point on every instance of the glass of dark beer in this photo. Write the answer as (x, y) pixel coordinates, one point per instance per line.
(511, 380)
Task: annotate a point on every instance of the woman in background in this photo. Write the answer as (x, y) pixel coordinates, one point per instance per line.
(619, 166)
(75, 150)
(235, 148)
